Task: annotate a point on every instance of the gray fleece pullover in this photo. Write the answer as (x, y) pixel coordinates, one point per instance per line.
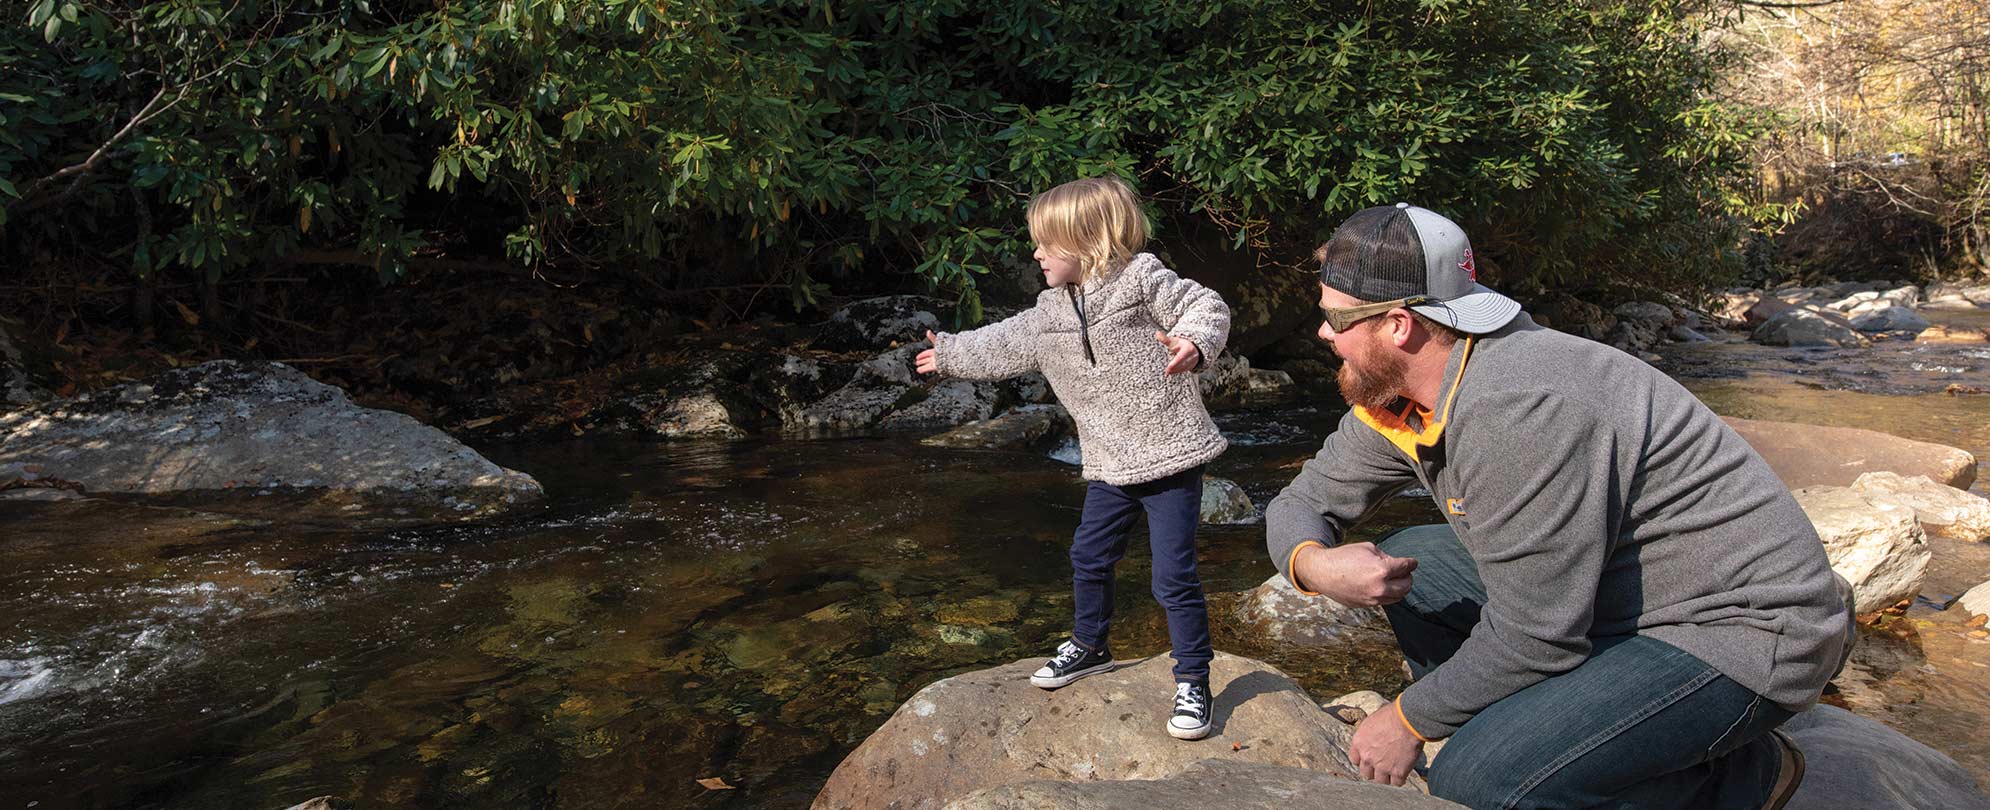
(1135, 422)
(1597, 498)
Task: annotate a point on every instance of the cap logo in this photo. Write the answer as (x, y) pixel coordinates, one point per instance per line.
(1471, 268)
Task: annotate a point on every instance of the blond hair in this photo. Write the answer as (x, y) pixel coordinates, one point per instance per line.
(1095, 222)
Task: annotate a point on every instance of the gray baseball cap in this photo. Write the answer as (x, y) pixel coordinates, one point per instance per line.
(1401, 251)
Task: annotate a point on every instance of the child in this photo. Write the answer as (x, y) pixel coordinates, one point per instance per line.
(1114, 334)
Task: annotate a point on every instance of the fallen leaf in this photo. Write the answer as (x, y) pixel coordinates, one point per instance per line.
(187, 314)
(715, 783)
(1236, 746)
(477, 423)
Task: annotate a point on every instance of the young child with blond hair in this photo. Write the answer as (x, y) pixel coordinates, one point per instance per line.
(1114, 335)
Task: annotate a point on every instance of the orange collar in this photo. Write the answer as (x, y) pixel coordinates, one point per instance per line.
(1394, 422)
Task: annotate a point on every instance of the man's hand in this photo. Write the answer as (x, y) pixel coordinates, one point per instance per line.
(927, 362)
(1383, 748)
(1354, 574)
(1182, 353)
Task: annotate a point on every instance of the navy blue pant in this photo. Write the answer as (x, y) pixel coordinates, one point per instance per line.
(1174, 507)
(1640, 724)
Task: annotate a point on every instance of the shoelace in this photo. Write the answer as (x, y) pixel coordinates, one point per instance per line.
(1068, 653)
(1188, 699)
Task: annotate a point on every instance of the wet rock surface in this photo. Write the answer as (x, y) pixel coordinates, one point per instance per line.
(257, 429)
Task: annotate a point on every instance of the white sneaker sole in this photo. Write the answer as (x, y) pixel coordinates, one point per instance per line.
(1041, 682)
(1196, 733)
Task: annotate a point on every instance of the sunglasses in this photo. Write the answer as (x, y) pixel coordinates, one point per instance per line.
(1343, 318)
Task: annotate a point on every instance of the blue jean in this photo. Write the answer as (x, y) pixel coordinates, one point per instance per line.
(1174, 507)
(1640, 724)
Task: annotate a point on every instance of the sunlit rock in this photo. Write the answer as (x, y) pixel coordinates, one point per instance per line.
(1231, 382)
(1976, 601)
(990, 728)
(1804, 326)
(1944, 511)
(1889, 319)
(1813, 455)
(1878, 547)
(1287, 616)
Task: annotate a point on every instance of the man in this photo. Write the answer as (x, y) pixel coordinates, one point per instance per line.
(1623, 601)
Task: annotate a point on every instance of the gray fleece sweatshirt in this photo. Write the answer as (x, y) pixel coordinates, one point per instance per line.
(1135, 422)
(1597, 498)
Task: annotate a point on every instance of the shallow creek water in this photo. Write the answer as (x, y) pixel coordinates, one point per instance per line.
(742, 610)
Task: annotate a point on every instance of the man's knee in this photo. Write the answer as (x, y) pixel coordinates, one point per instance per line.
(1478, 776)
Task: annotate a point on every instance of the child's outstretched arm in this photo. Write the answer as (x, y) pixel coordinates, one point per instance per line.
(997, 351)
(1186, 310)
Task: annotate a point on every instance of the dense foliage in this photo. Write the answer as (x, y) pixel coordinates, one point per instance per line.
(793, 142)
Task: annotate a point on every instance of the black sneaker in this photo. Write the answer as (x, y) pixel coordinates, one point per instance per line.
(1191, 720)
(1071, 663)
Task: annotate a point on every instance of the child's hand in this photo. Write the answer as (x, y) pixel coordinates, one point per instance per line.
(1182, 353)
(927, 362)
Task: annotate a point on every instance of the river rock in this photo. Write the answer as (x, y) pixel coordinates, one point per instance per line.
(1230, 382)
(877, 324)
(1942, 333)
(989, 728)
(1976, 600)
(1287, 616)
(1808, 326)
(1852, 761)
(17, 386)
(1958, 296)
(1816, 455)
(254, 427)
(1944, 511)
(1030, 427)
(1209, 783)
(1224, 503)
(945, 403)
(1889, 319)
(1877, 546)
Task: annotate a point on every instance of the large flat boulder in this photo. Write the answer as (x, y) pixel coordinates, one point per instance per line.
(990, 728)
(248, 429)
(1203, 785)
(1816, 455)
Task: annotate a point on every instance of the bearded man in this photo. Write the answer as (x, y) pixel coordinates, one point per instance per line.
(1623, 601)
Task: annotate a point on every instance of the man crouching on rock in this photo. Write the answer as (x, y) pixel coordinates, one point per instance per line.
(1623, 601)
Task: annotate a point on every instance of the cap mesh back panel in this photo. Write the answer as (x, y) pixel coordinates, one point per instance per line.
(1375, 256)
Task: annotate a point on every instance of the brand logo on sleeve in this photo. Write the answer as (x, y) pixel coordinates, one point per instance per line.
(1455, 506)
